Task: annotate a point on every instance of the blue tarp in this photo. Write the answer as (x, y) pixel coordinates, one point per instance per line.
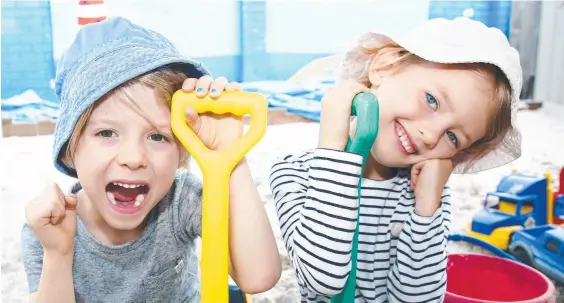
(302, 99)
(29, 108)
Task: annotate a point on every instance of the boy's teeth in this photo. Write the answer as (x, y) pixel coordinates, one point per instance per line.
(127, 185)
(139, 199)
(111, 198)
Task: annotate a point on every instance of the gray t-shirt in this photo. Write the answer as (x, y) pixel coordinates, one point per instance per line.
(159, 266)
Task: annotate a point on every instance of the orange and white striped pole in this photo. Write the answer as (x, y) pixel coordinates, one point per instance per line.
(91, 11)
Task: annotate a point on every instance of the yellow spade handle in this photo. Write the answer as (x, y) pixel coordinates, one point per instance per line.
(216, 167)
(215, 238)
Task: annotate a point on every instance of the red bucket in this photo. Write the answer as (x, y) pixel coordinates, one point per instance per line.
(473, 278)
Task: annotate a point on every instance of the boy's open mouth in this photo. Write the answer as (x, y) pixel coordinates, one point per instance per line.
(127, 194)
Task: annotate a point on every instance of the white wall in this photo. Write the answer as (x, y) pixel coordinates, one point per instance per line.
(198, 28)
(550, 58)
(301, 26)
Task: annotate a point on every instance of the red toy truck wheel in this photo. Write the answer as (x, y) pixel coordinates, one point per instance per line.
(476, 278)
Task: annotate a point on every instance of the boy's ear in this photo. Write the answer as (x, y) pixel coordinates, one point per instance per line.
(68, 162)
(184, 159)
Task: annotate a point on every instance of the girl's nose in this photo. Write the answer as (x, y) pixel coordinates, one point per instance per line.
(430, 135)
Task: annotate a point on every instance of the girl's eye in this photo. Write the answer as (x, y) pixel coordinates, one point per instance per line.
(106, 133)
(452, 137)
(432, 101)
(157, 137)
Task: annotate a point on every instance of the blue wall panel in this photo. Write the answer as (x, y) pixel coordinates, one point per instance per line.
(27, 49)
(224, 66)
(491, 13)
(256, 63)
(258, 67)
(254, 58)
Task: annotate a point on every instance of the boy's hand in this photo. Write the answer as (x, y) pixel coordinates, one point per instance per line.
(52, 217)
(336, 113)
(428, 179)
(217, 132)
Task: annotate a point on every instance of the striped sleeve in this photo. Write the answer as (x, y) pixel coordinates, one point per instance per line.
(316, 198)
(419, 272)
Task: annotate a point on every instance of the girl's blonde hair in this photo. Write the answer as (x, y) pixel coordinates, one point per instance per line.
(500, 120)
(165, 81)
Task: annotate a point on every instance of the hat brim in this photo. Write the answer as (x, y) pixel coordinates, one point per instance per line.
(356, 63)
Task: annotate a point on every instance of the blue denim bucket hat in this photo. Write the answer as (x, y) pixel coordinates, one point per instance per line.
(103, 56)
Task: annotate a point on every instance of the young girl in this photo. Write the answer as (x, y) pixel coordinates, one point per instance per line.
(126, 230)
(447, 92)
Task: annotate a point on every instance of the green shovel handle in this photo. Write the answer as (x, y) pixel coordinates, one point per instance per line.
(365, 107)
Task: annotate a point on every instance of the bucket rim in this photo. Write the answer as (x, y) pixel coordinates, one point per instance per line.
(548, 296)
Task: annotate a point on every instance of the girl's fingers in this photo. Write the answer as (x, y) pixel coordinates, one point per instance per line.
(415, 170)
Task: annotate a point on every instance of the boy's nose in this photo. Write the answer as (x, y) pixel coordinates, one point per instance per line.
(132, 156)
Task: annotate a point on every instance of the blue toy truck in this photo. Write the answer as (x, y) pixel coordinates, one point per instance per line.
(520, 201)
(541, 247)
(520, 221)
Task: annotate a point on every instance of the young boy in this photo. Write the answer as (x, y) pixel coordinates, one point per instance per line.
(126, 230)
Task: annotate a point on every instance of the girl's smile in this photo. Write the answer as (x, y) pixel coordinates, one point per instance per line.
(405, 142)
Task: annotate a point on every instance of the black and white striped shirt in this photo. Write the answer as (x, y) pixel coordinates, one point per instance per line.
(401, 255)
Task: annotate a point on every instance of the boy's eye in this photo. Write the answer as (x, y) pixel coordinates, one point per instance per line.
(432, 101)
(106, 133)
(157, 137)
(452, 137)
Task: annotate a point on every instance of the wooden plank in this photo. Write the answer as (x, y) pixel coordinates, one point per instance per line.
(275, 116)
(28, 129)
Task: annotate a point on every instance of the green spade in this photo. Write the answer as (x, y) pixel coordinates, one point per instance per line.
(365, 107)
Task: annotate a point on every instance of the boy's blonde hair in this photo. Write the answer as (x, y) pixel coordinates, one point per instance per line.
(165, 81)
(500, 120)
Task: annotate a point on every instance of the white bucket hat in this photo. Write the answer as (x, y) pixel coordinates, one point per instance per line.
(460, 40)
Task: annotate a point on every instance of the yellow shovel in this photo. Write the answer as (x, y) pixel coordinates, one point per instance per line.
(216, 167)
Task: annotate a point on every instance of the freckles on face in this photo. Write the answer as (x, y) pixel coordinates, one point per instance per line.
(120, 149)
(430, 111)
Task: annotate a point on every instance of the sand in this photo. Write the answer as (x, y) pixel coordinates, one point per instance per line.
(29, 163)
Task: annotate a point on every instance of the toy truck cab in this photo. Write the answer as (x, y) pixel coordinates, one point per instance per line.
(519, 201)
(559, 209)
(558, 201)
(541, 247)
